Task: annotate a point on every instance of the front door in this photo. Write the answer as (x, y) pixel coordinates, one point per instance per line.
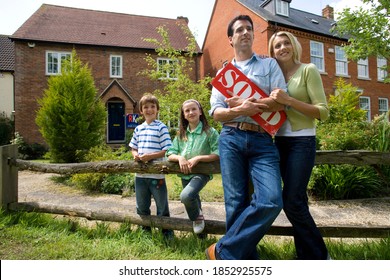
(116, 122)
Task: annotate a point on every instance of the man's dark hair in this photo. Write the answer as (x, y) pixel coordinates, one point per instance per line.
(240, 17)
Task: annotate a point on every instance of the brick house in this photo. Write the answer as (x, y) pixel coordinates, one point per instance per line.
(112, 44)
(319, 46)
(7, 67)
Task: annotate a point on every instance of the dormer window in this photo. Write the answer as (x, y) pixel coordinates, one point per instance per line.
(282, 7)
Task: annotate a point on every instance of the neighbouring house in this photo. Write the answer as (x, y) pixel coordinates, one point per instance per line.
(112, 44)
(7, 67)
(320, 46)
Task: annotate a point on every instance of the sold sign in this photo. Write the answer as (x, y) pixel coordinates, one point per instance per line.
(233, 80)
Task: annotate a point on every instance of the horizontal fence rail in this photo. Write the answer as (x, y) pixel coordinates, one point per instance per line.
(9, 189)
(166, 167)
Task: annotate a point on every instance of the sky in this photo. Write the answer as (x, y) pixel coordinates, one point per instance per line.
(13, 13)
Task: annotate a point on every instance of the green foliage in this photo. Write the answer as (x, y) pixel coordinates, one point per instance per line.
(343, 136)
(367, 29)
(344, 105)
(105, 182)
(28, 151)
(183, 87)
(116, 183)
(6, 129)
(380, 130)
(71, 117)
(344, 182)
(346, 127)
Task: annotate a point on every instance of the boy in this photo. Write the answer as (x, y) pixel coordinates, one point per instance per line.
(150, 141)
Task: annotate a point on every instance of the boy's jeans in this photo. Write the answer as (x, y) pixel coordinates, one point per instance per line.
(145, 188)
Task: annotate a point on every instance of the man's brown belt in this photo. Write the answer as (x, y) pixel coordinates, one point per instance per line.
(246, 126)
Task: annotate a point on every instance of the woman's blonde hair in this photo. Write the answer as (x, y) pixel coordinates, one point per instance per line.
(297, 48)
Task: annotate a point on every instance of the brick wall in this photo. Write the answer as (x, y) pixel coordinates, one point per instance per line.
(31, 80)
(216, 50)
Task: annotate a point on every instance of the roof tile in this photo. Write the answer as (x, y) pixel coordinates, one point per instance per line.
(79, 26)
(7, 54)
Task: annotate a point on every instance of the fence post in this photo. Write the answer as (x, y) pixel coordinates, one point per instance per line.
(8, 175)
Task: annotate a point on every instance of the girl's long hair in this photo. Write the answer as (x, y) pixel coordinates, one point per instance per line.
(184, 123)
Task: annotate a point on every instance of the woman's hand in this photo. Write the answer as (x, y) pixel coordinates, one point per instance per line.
(281, 97)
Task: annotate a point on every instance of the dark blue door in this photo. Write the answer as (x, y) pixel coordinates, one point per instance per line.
(116, 122)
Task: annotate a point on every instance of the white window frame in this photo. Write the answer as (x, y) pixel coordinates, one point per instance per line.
(383, 105)
(166, 73)
(282, 8)
(341, 61)
(365, 104)
(381, 64)
(53, 63)
(115, 67)
(362, 65)
(317, 55)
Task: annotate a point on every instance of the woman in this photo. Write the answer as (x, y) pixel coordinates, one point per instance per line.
(296, 140)
(196, 142)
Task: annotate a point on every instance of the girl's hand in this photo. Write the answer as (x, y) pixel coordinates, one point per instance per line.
(185, 165)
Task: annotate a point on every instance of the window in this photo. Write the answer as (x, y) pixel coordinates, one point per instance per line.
(54, 61)
(364, 103)
(317, 55)
(383, 105)
(282, 8)
(166, 67)
(363, 68)
(115, 66)
(381, 64)
(341, 62)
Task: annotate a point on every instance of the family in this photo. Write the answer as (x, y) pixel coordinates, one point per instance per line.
(277, 168)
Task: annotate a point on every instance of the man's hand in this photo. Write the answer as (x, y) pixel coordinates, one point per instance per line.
(250, 107)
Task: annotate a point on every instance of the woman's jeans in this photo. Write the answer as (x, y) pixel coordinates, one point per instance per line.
(145, 188)
(248, 156)
(190, 194)
(297, 156)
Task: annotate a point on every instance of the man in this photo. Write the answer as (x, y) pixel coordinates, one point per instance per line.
(247, 152)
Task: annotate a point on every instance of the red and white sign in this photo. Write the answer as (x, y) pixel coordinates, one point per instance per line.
(233, 80)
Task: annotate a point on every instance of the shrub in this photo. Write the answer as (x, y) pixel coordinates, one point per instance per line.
(6, 129)
(344, 182)
(343, 136)
(117, 183)
(105, 182)
(71, 117)
(28, 151)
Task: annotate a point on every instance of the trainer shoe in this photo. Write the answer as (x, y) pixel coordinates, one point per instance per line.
(198, 224)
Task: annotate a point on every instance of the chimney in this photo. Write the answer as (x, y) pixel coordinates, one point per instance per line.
(328, 12)
(183, 19)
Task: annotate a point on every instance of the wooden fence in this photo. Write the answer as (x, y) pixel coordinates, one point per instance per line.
(10, 164)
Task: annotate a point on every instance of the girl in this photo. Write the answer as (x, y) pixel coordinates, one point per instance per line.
(196, 142)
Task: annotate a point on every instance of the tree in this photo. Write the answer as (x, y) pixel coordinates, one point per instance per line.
(344, 105)
(182, 87)
(367, 30)
(346, 127)
(71, 117)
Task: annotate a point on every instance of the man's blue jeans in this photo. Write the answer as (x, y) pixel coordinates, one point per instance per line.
(145, 188)
(248, 156)
(297, 157)
(190, 194)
